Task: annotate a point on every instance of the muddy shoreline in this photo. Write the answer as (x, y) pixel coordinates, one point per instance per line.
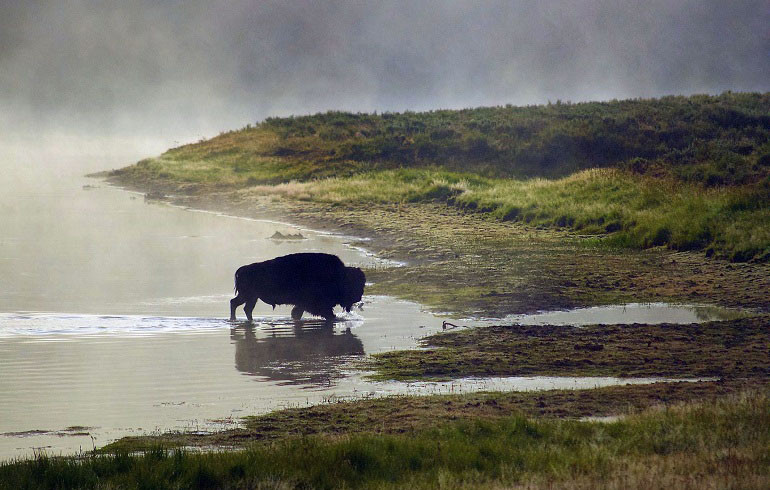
(413, 414)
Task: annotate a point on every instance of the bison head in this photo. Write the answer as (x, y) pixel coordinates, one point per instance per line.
(353, 287)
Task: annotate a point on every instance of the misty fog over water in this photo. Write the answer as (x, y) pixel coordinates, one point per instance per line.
(137, 77)
(112, 318)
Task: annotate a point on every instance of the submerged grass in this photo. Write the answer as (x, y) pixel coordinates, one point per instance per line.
(726, 443)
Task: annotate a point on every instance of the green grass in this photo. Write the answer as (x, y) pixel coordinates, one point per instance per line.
(637, 212)
(726, 443)
(633, 211)
(712, 140)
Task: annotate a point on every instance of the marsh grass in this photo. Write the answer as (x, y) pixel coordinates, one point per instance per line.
(723, 443)
(623, 209)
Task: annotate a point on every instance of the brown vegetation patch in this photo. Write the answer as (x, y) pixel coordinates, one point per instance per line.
(730, 349)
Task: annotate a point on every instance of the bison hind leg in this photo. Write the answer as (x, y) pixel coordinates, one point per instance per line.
(249, 307)
(296, 313)
(235, 303)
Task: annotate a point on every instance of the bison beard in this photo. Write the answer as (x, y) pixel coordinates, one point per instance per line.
(313, 282)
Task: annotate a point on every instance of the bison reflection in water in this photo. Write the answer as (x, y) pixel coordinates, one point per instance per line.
(312, 282)
(305, 353)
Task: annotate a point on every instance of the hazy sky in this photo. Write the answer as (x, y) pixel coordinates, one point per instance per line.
(147, 74)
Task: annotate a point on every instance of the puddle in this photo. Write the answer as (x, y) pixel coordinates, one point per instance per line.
(649, 313)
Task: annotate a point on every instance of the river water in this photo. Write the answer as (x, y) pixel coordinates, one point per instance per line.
(113, 321)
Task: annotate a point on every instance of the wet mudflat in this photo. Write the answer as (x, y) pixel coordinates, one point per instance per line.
(729, 349)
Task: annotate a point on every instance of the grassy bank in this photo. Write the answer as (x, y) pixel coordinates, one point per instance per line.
(406, 414)
(631, 211)
(690, 173)
(723, 444)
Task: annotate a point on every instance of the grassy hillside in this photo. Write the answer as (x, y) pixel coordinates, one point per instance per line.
(685, 172)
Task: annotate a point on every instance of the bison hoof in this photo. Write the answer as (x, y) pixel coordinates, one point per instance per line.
(296, 313)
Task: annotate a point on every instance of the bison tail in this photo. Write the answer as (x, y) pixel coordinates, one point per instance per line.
(243, 279)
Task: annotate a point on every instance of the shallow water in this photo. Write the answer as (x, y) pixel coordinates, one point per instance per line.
(112, 322)
(647, 313)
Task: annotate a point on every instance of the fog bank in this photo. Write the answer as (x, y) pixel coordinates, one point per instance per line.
(135, 77)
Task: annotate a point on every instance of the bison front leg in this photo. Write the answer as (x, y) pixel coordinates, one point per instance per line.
(296, 313)
(328, 314)
(235, 303)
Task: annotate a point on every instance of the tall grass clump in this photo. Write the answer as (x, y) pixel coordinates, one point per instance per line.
(387, 186)
(636, 211)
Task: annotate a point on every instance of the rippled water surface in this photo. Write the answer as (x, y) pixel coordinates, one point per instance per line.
(112, 322)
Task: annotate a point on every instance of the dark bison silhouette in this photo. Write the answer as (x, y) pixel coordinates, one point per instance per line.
(312, 282)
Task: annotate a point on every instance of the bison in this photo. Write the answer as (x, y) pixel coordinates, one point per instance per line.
(312, 282)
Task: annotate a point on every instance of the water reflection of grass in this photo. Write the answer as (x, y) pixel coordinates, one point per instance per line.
(708, 313)
(722, 443)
